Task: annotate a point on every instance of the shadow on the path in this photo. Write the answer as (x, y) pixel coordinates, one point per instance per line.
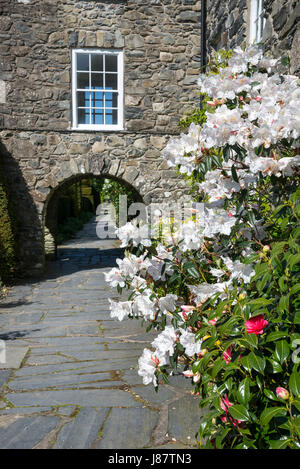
(13, 335)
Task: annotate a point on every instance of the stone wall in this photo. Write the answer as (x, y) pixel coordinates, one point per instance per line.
(161, 43)
(228, 26)
(162, 54)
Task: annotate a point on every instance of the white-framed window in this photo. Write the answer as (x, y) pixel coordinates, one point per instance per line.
(97, 89)
(257, 21)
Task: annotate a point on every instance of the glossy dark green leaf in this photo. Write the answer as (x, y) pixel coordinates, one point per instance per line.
(276, 335)
(279, 444)
(270, 412)
(282, 351)
(257, 362)
(243, 393)
(240, 412)
(294, 383)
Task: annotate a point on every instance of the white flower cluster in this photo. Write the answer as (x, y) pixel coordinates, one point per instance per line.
(247, 111)
(253, 110)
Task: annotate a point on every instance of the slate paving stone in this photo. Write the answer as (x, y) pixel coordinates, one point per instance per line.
(148, 393)
(26, 432)
(184, 419)
(65, 317)
(82, 431)
(4, 377)
(58, 381)
(48, 360)
(13, 356)
(88, 398)
(139, 424)
(77, 367)
(24, 411)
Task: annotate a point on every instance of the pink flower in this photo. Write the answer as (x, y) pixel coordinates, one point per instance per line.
(282, 393)
(213, 321)
(187, 308)
(225, 404)
(256, 325)
(227, 355)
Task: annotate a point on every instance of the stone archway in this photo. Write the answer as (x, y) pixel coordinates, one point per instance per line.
(51, 205)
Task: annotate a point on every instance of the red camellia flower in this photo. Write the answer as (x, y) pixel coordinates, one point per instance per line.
(256, 325)
(227, 355)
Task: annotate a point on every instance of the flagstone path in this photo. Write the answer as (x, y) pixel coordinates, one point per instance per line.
(70, 378)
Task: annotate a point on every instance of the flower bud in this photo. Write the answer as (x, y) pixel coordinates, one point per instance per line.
(282, 393)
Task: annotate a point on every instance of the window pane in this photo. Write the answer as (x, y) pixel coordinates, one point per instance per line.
(97, 116)
(111, 99)
(97, 63)
(83, 116)
(98, 99)
(82, 80)
(111, 116)
(97, 81)
(83, 98)
(111, 81)
(111, 63)
(82, 61)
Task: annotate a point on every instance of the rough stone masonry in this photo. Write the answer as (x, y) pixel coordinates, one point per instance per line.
(161, 44)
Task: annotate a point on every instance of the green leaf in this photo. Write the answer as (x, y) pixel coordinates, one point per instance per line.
(293, 260)
(240, 412)
(295, 289)
(294, 383)
(282, 350)
(257, 362)
(279, 444)
(245, 361)
(271, 412)
(251, 339)
(260, 301)
(270, 395)
(284, 303)
(276, 335)
(218, 365)
(243, 393)
(276, 367)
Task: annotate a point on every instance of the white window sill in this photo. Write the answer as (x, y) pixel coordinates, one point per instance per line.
(99, 128)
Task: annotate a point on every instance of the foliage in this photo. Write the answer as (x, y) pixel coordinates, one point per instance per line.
(222, 285)
(112, 189)
(71, 226)
(8, 230)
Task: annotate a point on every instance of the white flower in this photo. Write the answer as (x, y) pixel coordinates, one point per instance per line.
(142, 305)
(167, 303)
(242, 271)
(149, 362)
(120, 309)
(187, 340)
(136, 234)
(165, 341)
(207, 290)
(114, 278)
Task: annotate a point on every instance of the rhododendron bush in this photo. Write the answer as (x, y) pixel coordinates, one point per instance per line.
(222, 288)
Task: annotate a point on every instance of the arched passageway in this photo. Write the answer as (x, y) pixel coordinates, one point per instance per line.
(80, 217)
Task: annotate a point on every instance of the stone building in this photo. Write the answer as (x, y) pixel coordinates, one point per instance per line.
(143, 55)
(96, 88)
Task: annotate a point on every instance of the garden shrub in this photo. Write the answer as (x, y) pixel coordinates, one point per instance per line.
(222, 287)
